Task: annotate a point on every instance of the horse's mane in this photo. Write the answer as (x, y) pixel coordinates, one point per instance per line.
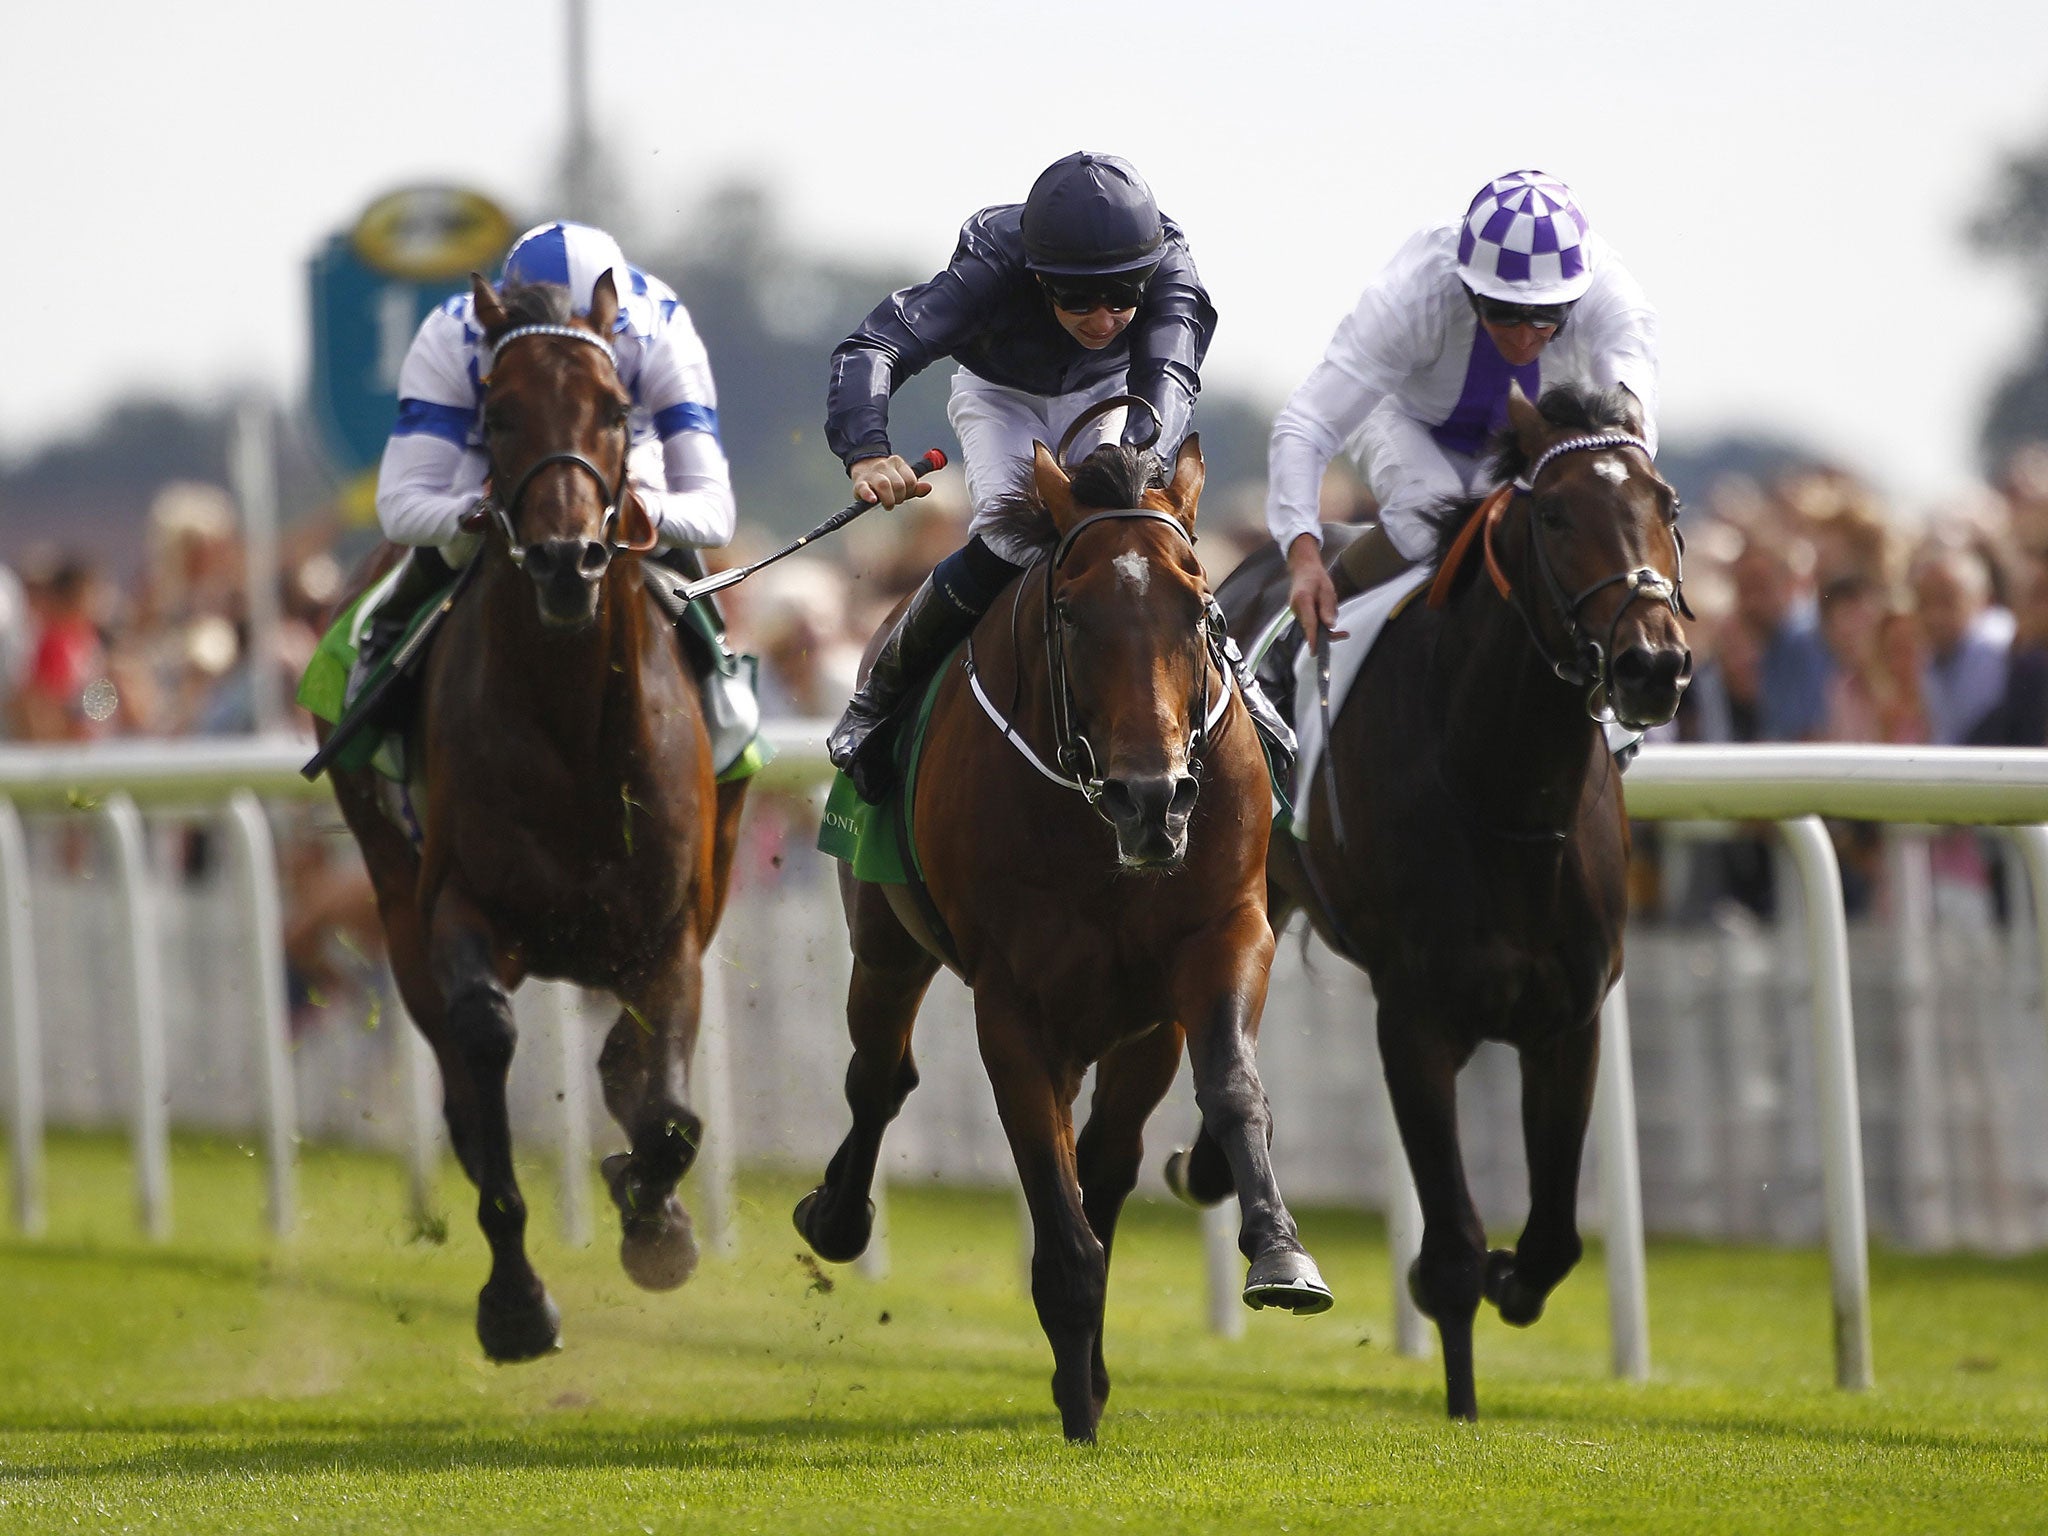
(1112, 476)
(1575, 407)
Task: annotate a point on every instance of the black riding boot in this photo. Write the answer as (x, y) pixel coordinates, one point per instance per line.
(941, 614)
(1271, 725)
(421, 574)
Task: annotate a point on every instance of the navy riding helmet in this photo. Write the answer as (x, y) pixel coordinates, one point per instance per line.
(1091, 216)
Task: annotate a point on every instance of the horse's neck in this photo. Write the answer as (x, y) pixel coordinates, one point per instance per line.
(1517, 742)
(569, 683)
(1011, 661)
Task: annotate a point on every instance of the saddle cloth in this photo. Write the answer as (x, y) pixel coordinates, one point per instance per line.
(1361, 618)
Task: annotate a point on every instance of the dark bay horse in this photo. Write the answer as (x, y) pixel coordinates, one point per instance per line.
(1097, 863)
(1475, 867)
(571, 825)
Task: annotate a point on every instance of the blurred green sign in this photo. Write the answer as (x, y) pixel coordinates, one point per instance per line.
(371, 287)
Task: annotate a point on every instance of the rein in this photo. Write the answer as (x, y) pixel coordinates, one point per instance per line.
(1078, 766)
(504, 509)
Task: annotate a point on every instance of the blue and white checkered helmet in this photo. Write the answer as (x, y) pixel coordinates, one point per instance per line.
(572, 256)
(1526, 240)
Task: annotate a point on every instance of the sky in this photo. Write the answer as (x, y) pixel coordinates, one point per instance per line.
(1788, 181)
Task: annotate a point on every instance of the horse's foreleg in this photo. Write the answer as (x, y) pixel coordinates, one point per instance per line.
(1445, 1279)
(645, 1072)
(1219, 990)
(515, 1319)
(725, 838)
(890, 974)
(1557, 1099)
(1069, 1270)
(1129, 1083)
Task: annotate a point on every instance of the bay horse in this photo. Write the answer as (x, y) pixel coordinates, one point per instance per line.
(1474, 861)
(571, 826)
(1090, 815)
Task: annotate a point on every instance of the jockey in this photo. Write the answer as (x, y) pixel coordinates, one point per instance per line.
(1082, 292)
(1518, 291)
(435, 463)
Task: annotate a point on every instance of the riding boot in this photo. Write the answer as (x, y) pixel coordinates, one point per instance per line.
(1272, 727)
(415, 579)
(936, 620)
(725, 680)
(1366, 562)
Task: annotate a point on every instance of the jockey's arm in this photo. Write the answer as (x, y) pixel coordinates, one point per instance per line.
(1169, 341)
(430, 476)
(686, 486)
(1620, 336)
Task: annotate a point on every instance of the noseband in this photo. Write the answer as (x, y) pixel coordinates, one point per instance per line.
(505, 509)
(1078, 763)
(1589, 664)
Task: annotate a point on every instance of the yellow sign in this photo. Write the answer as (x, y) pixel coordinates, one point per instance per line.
(431, 234)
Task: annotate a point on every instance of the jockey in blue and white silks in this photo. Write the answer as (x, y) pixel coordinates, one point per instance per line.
(1416, 378)
(434, 465)
(435, 462)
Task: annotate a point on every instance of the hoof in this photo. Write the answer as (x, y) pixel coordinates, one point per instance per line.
(1176, 1173)
(1287, 1279)
(833, 1248)
(1519, 1304)
(659, 1253)
(520, 1326)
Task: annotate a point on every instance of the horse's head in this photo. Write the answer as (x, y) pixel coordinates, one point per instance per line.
(1127, 630)
(1604, 540)
(555, 425)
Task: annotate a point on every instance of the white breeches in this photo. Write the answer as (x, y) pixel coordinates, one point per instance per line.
(996, 427)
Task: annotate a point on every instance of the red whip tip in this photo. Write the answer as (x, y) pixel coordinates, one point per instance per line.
(935, 458)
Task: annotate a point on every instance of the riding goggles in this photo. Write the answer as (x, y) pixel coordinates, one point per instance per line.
(1503, 312)
(1085, 295)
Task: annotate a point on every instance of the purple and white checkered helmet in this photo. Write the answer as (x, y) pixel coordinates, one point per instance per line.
(1526, 240)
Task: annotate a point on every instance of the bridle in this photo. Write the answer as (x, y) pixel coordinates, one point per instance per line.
(1588, 663)
(1077, 759)
(506, 508)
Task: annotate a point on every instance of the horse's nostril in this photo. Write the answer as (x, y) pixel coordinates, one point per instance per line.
(595, 558)
(1182, 803)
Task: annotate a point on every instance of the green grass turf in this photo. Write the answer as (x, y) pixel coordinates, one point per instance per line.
(222, 1382)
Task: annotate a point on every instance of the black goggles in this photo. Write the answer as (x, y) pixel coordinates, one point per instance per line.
(1084, 295)
(1503, 312)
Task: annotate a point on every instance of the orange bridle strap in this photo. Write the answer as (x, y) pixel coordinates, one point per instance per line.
(1480, 525)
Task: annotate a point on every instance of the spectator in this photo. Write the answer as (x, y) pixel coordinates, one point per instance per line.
(1792, 667)
(1967, 640)
(1869, 697)
(2020, 717)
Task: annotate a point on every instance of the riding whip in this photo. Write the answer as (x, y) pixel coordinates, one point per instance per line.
(932, 462)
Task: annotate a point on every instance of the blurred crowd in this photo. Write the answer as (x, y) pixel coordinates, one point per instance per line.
(1823, 615)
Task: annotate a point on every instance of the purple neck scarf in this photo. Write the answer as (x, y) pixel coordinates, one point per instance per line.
(1482, 408)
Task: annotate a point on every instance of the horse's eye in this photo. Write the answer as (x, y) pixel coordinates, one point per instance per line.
(1551, 515)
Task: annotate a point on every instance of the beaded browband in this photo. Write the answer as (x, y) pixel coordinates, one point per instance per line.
(573, 333)
(1579, 445)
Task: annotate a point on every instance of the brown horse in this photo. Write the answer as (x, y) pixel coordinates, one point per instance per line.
(1475, 863)
(1093, 851)
(571, 826)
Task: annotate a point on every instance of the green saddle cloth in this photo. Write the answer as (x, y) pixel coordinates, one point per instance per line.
(877, 840)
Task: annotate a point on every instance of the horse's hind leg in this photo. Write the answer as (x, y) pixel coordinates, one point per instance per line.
(1219, 990)
(515, 1319)
(890, 973)
(1557, 1099)
(1446, 1278)
(1129, 1083)
(1069, 1268)
(645, 1072)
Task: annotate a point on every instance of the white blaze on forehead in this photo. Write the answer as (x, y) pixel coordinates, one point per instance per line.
(1610, 467)
(1134, 570)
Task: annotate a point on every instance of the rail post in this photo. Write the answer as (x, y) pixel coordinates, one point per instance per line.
(256, 870)
(136, 908)
(24, 1025)
(1834, 1067)
(1621, 1192)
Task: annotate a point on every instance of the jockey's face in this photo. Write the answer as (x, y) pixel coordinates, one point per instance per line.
(1095, 328)
(1521, 345)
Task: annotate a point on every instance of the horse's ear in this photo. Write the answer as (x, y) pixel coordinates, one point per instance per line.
(604, 304)
(490, 314)
(1530, 429)
(1185, 489)
(1631, 410)
(1055, 492)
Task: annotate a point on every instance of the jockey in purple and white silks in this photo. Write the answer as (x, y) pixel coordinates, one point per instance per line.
(1415, 381)
(435, 463)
